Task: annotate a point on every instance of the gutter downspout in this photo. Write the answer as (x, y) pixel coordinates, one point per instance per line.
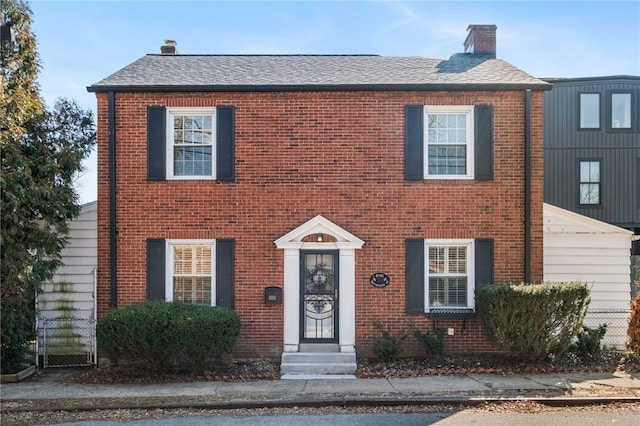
(527, 186)
(113, 231)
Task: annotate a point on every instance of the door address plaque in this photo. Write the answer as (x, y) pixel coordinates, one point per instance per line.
(379, 280)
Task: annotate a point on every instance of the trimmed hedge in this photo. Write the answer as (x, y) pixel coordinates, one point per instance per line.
(532, 321)
(165, 335)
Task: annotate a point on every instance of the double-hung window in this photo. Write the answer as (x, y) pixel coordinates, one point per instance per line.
(442, 275)
(450, 274)
(589, 182)
(449, 142)
(191, 143)
(190, 273)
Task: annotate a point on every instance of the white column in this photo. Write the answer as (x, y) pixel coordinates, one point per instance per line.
(347, 299)
(291, 300)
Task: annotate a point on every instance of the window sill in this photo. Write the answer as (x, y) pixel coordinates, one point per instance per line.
(448, 177)
(190, 178)
(450, 313)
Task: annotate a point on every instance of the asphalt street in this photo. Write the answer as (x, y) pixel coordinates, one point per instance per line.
(555, 418)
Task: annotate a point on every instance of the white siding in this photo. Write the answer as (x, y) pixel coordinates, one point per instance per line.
(80, 258)
(66, 305)
(578, 248)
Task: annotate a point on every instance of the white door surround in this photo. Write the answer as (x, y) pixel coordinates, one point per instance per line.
(346, 243)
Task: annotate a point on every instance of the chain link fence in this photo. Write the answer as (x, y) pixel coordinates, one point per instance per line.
(617, 322)
(67, 342)
(635, 274)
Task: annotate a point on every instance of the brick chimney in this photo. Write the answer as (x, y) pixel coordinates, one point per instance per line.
(169, 47)
(481, 40)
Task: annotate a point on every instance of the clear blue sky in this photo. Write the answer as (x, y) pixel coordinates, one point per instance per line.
(81, 42)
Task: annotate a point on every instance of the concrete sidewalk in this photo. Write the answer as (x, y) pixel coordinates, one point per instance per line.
(52, 391)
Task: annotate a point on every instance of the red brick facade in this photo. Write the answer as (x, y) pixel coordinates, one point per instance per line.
(335, 154)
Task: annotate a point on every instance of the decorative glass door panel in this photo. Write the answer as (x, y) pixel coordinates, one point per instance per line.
(319, 282)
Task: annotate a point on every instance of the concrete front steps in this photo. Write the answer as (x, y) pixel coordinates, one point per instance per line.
(318, 361)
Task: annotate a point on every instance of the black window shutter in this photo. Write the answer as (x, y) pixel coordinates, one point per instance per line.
(414, 270)
(225, 143)
(483, 142)
(155, 269)
(156, 140)
(484, 262)
(413, 142)
(225, 273)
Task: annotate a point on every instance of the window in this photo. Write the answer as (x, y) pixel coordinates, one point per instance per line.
(430, 274)
(449, 142)
(191, 142)
(450, 274)
(589, 182)
(193, 271)
(190, 272)
(621, 110)
(589, 110)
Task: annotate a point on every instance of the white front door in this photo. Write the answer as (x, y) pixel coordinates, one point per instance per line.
(334, 320)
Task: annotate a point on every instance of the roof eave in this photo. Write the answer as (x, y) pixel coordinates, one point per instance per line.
(323, 87)
(599, 78)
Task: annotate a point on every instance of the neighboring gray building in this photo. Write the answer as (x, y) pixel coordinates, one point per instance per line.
(592, 149)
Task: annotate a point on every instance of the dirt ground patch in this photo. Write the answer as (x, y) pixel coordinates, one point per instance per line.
(266, 369)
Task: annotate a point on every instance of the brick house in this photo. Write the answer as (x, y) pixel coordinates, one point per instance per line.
(311, 192)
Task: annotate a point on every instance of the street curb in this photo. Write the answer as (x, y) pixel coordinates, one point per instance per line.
(338, 402)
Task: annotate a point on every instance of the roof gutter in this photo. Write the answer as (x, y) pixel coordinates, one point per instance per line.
(113, 230)
(527, 186)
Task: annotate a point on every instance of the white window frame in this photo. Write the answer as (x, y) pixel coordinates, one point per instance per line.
(451, 109)
(171, 111)
(169, 265)
(471, 279)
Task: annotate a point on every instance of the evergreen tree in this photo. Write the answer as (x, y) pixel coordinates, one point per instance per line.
(42, 152)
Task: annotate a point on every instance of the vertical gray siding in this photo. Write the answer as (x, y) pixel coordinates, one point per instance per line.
(619, 152)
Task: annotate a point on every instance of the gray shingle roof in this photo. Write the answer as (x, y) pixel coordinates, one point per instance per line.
(316, 72)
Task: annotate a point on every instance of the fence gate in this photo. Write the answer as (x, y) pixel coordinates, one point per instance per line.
(67, 342)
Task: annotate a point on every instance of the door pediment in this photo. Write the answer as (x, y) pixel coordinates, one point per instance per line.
(319, 225)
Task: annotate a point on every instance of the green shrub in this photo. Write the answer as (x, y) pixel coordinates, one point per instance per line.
(432, 341)
(163, 335)
(588, 344)
(18, 332)
(387, 348)
(532, 321)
